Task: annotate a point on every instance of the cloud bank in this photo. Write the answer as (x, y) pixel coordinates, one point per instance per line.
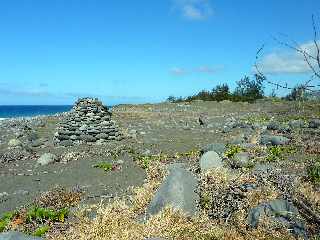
(287, 62)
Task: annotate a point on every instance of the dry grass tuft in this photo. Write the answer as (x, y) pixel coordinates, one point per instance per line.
(115, 221)
(58, 198)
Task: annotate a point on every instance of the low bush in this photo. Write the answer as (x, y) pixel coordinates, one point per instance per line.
(314, 172)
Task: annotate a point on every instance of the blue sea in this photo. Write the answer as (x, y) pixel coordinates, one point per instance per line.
(30, 111)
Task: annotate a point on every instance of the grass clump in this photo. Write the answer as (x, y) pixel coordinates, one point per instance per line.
(6, 219)
(314, 172)
(41, 215)
(40, 231)
(276, 153)
(145, 160)
(233, 150)
(105, 166)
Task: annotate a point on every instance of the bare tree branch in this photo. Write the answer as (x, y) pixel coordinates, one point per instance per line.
(311, 59)
(315, 40)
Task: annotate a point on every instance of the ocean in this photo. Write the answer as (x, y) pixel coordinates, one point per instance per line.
(30, 111)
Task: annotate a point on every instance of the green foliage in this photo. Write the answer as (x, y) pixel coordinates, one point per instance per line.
(41, 215)
(314, 172)
(175, 99)
(41, 231)
(233, 150)
(104, 165)
(250, 90)
(257, 119)
(145, 161)
(246, 91)
(276, 153)
(6, 219)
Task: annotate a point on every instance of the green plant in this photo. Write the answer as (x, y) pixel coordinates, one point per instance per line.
(314, 172)
(205, 200)
(41, 215)
(233, 150)
(276, 153)
(257, 119)
(40, 231)
(145, 161)
(104, 165)
(6, 219)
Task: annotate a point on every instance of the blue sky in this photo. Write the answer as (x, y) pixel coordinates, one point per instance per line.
(52, 52)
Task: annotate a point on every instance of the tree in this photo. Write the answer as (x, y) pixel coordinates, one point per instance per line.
(221, 92)
(171, 99)
(250, 89)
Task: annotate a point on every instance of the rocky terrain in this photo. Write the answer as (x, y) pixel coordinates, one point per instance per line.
(198, 170)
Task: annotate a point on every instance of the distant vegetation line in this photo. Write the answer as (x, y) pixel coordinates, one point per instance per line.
(247, 90)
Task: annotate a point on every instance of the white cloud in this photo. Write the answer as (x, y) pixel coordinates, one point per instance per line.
(209, 69)
(287, 62)
(178, 71)
(194, 9)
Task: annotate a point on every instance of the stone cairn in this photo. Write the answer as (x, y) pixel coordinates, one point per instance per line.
(88, 122)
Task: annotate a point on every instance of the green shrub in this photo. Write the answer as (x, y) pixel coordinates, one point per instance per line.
(276, 153)
(104, 165)
(233, 150)
(6, 219)
(40, 215)
(40, 231)
(145, 161)
(314, 172)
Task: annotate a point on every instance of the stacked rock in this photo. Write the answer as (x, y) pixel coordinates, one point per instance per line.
(89, 121)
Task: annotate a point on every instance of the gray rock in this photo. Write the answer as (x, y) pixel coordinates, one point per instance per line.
(93, 131)
(66, 143)
(83, 128)
(238, 140)
(65, 132)
(242, 125)
(63, 137)
(210, 160)
(178, 191)
(14, 143)
(3, 194)
(280, 211)
(102, 136)
(314, 123)
(296, 124)
(13, 235)
(37, 143)
(46, 158)
(241, 159)
(226, 129)
(32, 136)
(100, 142)
(273, 140)
(219, 148)
(87, 138)
(273, 126)
(74, 137)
